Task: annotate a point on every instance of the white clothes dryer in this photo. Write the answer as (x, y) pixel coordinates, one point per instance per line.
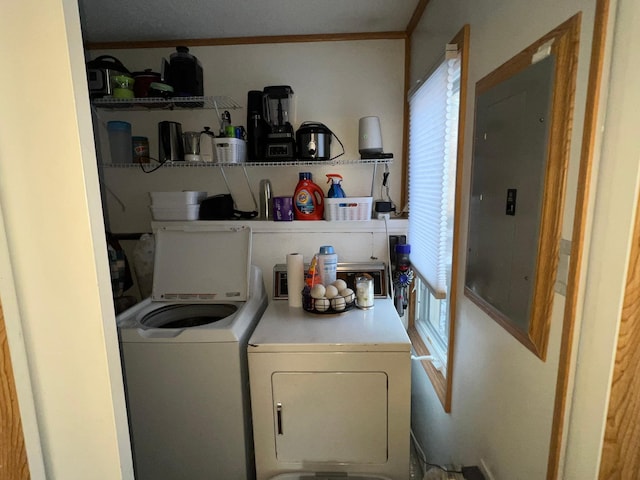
(184, 355)
(331, 394)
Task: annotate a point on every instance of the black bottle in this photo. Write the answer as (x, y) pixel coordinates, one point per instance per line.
(257, 127)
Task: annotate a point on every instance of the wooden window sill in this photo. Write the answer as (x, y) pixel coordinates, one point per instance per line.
(438, 380)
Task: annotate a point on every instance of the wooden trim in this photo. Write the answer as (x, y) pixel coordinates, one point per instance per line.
(440, 383)
(555, 182)
(462, 40)
(13, 454)
(404, 179)
(577, 240)
(505, 322)
(213, 42)
(565, 40)
(416, 17)
(411, 26)
(621, 444)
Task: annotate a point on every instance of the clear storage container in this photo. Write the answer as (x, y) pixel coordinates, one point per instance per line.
(120, 141)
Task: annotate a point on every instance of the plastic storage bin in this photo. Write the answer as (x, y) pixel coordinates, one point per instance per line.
(349, 208)
(176, 205)
(176, 199)
(184, 212)
(231, 150)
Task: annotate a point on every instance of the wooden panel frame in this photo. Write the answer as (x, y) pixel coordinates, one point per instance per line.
(565, 40)
(13, 453)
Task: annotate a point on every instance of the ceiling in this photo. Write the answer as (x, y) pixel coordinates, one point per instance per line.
(158, 20)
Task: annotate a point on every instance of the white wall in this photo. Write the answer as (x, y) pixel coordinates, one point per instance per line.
(613, 219)
(54, 238)
(335, 83)
(503, 395)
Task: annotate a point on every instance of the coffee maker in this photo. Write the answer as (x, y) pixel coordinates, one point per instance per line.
(280, 141)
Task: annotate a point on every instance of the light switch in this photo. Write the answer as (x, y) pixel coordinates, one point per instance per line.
(511, 201)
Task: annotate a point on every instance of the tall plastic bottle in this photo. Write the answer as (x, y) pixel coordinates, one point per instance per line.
(308, 199)
(327, 264)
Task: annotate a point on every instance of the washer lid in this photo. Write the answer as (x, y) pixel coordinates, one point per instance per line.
(202, 263)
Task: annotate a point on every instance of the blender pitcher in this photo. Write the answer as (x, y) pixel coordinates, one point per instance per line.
(192, 146)
(280, 141)
(208, 145)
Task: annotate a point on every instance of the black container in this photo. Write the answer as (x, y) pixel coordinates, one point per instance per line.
(313, 141)
(184, 74)
(257, 127)
(217, 207)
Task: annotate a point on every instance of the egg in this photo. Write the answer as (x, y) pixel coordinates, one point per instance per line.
(322, 304)
(348, 295)
(340, 284)
(338, 304)
(317, 291)
(331, 291)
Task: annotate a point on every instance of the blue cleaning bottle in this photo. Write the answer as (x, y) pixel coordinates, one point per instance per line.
(335, 191)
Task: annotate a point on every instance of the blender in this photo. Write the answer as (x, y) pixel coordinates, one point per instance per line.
(280, 142)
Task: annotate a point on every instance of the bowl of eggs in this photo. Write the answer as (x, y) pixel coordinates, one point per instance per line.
(334, 298)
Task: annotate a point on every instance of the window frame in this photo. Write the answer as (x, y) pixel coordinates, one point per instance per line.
(442, 383)
(436, 343)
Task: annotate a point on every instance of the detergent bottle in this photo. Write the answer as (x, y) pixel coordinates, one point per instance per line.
(335, 190)
(308, 199)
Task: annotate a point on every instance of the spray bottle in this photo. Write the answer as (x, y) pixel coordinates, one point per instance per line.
(335, 191)
(402, 277)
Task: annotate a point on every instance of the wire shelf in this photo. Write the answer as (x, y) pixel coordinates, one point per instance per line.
(253, 164)
(150, 103)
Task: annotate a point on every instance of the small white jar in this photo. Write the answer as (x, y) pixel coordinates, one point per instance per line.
(364, 291)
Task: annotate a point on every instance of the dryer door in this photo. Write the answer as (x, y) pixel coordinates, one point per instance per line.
(337, 417)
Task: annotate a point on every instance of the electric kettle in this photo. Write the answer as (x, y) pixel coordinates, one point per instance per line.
(170, 142)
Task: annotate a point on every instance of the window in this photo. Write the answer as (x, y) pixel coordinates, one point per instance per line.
(435, 152)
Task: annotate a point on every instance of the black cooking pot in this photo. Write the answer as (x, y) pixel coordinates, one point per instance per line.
(107, 61)
(314, 141)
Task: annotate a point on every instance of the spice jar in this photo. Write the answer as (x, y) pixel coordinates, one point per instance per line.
(364, 291)
(140, 149)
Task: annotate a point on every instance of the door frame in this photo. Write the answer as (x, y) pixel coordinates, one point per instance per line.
(21, 414)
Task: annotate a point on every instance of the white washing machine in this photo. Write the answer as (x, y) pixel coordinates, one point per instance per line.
(184, 356)
(331, 394)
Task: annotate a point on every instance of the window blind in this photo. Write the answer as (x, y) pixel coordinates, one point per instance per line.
(433, 134)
